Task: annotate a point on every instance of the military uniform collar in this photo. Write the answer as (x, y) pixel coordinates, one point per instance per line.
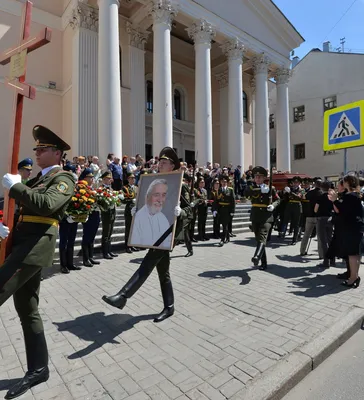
(46, 170)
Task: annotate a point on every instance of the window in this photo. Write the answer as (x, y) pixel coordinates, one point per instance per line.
(149, 96)
(299, 151)
(271, 121)
(299, 114)
(273, 156)
(245, 107)
(330, 103)
(177, 113)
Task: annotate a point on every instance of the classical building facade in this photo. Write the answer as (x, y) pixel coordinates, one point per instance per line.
(321, 81)
(133, 76)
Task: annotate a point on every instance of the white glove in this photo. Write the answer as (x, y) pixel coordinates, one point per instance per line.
(214, 213)
(270, 208)
(264, 188)
(231, 214)
(133, 211)
(10, 180)
(70, 220)
(134, 201)
(121, 196)
(287, 189)
(4, 231)
(177, 211)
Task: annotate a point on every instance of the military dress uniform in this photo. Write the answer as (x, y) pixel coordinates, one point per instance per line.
(201, 212)
(90, 228)
(129, 201)
(157, 258)
(261, 216)
(27, 166)
(214, 206)
(225, 209)
(293, 210)
(108, 220)
(43, 203)
(305, 205)
(184, 224)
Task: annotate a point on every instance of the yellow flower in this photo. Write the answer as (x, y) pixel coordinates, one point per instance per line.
(84, 198)
(82, 191)
(91, 201)
(74, 199)
(80, 200)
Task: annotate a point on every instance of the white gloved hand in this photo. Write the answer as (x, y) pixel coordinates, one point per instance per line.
(70, 220)
(10, 180)
(133, 211)
(264, 188)
(231, 214)
(270, 208)
(287, 189)
(177, 211)
(134, 201)
(4, 231)
(214, 213)
(121, 196)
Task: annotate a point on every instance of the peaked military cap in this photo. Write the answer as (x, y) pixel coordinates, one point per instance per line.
(69, 167)
(187, 177)
(259, 171)
(106, 174)
(131, 176)
(27, 163)
(86, 173)
(306, 180)
(317, 178)
(296, 178)
(167, 153)
(44, 138)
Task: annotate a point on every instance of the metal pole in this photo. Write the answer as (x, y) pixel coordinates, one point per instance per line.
(345, 161)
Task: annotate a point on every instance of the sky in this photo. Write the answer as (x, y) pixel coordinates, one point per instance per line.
(318, 21)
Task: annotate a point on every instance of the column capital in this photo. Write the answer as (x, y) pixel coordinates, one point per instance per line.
(137, 36)
(260, 63)
(253, 83)
(202, 32)
(163, 11)
(282, 75)
(223, 79)
(84, 16)
(233, 49)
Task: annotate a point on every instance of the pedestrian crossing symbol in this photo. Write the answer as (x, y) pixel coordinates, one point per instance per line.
(343, 127)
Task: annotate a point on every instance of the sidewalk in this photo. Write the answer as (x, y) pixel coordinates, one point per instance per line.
(232, 324)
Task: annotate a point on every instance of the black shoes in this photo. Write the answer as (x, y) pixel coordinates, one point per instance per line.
(221, 243)
(74, 267)
(65, 270)
(118, 300)
(91, 255)
(353, 285)
(189, 254)
(166, 313)
(194, 240)
(128, 250)
(30, 379)
(134, 249)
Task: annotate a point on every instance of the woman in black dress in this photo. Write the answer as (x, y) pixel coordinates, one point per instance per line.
(349, 235)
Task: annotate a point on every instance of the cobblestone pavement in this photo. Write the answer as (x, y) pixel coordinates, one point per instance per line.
(232, 323)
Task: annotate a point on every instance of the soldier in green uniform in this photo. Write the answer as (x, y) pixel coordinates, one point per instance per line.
(306, 208)
(293, 209)
(214, 206)
(108, 219)
(264, 200)
(129, 200)
(168, 161)
(225, 208)
(201, 198)
(187, 201)
(43, 202)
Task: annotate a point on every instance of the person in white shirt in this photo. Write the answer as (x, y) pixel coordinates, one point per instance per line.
(149, 222)
(132, 168)
(96, 168)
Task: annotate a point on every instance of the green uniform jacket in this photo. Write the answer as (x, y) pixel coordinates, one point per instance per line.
(129, 196)
(201, 197)
(294, 199)
(187, 212)
(259, 213)
(225, 204)
(45, 196)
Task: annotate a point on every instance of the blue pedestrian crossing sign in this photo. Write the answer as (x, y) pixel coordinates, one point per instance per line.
(344, 127)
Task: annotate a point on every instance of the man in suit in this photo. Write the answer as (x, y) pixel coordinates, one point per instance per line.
(43, 201)
(225, 208)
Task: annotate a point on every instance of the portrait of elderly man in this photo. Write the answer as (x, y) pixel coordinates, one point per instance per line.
(149, 222)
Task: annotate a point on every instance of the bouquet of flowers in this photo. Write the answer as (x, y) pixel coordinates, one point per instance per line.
(82, 203)
(1, 215)
(106, 198)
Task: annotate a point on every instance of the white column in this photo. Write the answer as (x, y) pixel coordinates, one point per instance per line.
(224, 112)
(84, 21)
(202, 33)
(134, 78)
(162, 12)
(252, 85)
(282, 121)
(110, 132)
(262, 150)
(234, 51)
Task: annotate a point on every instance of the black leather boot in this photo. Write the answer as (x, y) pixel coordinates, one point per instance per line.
(263, 265)
(109, 250)
(70, 264)
(258, 254)
(63, 261)
(105, 251)
(37, 361)
(86, 256)
(168, 300)
(91, 253)
(118, 300)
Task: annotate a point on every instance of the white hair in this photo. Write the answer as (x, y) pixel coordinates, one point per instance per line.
(155, 183)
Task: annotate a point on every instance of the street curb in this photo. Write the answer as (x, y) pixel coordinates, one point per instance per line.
(277, 381)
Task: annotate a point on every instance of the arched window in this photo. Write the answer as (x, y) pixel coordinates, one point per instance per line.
(177, 112)
(245, 107)
(149, 96)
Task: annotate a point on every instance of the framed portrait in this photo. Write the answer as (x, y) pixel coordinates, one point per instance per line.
(154, 223)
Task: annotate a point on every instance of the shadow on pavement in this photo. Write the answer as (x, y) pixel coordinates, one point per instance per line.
(99, 329)
(295, 259)
(238, 273)
(292, 271)
(318, 286)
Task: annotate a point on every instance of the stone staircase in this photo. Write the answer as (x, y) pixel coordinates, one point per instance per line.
(240, 225)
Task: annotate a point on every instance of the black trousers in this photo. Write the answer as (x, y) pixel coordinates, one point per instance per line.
(90, 228)
(202, 218)
(128, 218)
(67, 235)
(108, 220)
(216, 226)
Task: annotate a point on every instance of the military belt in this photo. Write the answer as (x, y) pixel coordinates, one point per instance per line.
(224, 204)
(305, 201)
(259, 205)
(295, 201)
(37, 219)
